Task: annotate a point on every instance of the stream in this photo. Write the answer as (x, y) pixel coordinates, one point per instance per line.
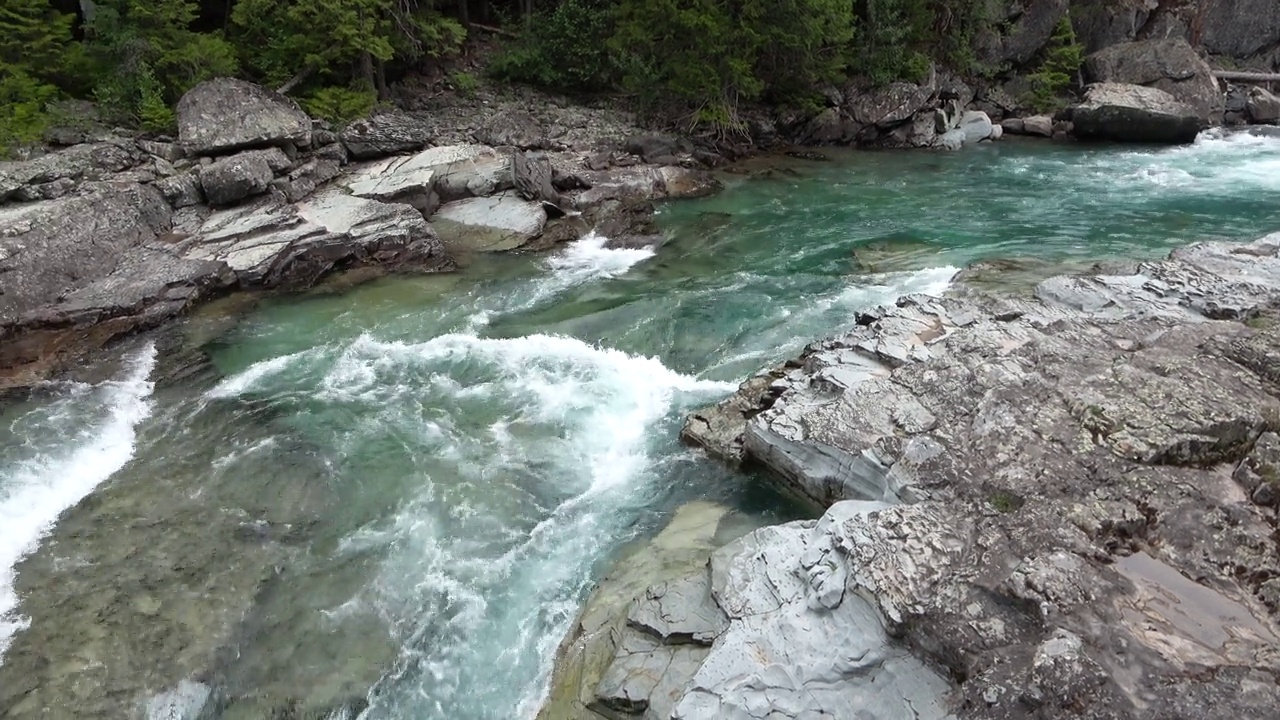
(390, 501)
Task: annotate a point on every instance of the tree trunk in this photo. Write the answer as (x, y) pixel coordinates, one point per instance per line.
(464, 13)
(366, 69)
(381, 77)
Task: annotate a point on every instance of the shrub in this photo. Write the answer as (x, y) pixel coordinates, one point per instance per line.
(340, 105)
(564, 49)
(1063, 56)
(22, 109)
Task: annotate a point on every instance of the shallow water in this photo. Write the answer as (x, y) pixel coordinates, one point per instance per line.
(406, 489)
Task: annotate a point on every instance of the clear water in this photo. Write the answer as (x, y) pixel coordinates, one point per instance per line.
(441, 465)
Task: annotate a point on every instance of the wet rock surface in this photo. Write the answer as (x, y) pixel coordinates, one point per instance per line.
(1134, 113)
(1080, 509)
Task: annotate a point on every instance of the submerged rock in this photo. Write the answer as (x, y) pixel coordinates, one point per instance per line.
(1070, 458)
(1134, 113)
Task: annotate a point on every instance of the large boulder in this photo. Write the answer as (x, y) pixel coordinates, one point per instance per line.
(1240, 28)
(232, 179)
(1262, 106)
(1025, 28)
(225, 114)
(81, 270)
(1134, 113)
(513, 128)
(490, 224)
(889, 105)
(448, 172)
(385, 134)
(57, 173)
(273, 244)
(1170, 64)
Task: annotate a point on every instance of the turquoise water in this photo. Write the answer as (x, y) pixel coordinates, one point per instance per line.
(432, 470)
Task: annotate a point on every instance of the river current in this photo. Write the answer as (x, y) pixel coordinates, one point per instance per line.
(403, 491)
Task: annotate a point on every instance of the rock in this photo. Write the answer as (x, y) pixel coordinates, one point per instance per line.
(1086, 470)
(997, 132)
(386, 134)
(490, 224)
(449, 172)
(1014, 126)
(272, 244)
(1240, 28)
(1133, 113)
(1169, 64)
(1025, 31)
(830, 127)
(82, 270)
(1041, 125)
(1102, 23)
(676, 555)
(237, 177)
(952, 139)
(1262, 106)
(976, 126)
(226, 114)
(652, 145)
(181, 190)
(303, 180)
(889, 105)
(513, 128)
(531, 176)
(76, 164)
(187, 701)
(645, 184)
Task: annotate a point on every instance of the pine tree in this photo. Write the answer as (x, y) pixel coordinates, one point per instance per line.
(34, 37)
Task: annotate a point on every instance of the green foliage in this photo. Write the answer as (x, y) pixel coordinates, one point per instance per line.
(464, 82)
(709, 55)
(148, 56)
(330, 37)
(563, 49)
(340, 105)
(1056, 73)
(154, 114)
(22, 109)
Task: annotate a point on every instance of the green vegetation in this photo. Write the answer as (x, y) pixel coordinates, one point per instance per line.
(694, 61)
(1056, 73)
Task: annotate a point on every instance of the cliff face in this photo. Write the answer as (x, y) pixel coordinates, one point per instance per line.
(1057, 506)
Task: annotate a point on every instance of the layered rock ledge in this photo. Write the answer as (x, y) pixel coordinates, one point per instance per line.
(1051, 506)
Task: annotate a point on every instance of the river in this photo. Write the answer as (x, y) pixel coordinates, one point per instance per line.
(400, 493)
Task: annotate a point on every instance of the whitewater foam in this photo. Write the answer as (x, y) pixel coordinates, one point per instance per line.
(35, 490)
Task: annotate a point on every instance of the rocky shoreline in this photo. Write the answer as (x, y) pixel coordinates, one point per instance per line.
(116, 235)
(1061, 505)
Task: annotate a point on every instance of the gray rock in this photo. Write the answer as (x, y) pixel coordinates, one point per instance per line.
(1025, 32)
(889, 105)
(1014, 126)
(531, 175)
(652, 145)
(513, 128)
(488, 224)
(386, 134)
(76, 164)
(272, 244)
(1169, 64)
(1134, 113)
(639, 184)
(1072, 459)
(303, 180)
(976, 126)
(181, 190)
(1041, 125)
(829, 127)
(232, 179)
(952, 139)
(1240, 28)
(446, 173)
(1102, 23)
(1262, 106)
(226, 114)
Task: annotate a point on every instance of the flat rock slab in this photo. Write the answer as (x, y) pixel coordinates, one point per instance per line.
(490, 224)
(452, 171)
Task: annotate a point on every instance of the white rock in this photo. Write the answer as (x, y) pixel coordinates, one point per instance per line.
(490, 224)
